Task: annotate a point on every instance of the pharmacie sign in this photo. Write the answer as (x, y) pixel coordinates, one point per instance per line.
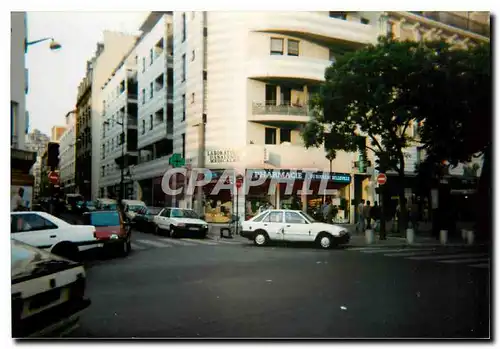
(300, 175)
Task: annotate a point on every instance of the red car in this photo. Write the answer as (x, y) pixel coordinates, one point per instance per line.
(111, 230)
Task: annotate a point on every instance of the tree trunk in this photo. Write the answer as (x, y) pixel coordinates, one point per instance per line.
(484, 200)
(402, 204)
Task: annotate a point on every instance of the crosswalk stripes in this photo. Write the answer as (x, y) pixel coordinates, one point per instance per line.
(201, 242)
(153, 243)
(431, 254)
(177, 242)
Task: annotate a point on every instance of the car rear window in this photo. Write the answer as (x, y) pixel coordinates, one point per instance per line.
(104, 219)
(153, 211)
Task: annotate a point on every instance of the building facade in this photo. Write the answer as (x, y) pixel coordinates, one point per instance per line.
(154, 53)
(67, 153)
(119, 130)
(114, 47)
(37, 141)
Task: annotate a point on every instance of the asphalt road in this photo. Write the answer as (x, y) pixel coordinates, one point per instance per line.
(234, 290)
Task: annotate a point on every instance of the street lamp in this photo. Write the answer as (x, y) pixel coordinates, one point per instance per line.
(54, 45)
(122, 167)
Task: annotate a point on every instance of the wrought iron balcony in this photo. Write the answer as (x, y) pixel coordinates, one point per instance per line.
(457, 21)
(271, 108)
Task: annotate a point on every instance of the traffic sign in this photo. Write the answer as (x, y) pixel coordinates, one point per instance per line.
(381, 178)
(53, 177)
(239, 181)
(176, 160)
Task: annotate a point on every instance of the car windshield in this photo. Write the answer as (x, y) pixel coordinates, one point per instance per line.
(179, 213)
(135, 208)
(309, 218)
(105, 219)
(90, 204)
(109, 206)
(153, 210)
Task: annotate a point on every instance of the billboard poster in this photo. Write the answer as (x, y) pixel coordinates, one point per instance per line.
(27, 196)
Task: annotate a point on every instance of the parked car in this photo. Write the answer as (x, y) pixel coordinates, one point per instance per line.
(111, 230)
(180, 222)
(72, 202)
(46, 231)
(293, 226)
(104, 204)
(47, 292)
(131, 207)
(144, 219)
(85, 206)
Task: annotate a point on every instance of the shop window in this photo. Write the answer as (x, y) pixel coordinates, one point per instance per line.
(285, 135)
(270, 135)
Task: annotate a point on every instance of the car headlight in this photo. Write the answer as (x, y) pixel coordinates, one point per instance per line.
(205, 226)
(180, 224)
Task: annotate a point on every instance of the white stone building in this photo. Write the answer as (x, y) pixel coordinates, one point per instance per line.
(67, 151)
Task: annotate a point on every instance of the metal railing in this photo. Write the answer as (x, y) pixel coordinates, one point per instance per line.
(456, 21)
(271, 108)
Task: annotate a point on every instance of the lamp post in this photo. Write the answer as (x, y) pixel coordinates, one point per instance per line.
(54, 45)
(122, 140)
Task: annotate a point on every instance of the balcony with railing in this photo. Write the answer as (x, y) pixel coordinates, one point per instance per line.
(270, 111)
(457, 21)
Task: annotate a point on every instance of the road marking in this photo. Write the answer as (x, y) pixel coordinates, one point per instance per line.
(480, 265)
(466, 260)
(448, 256)
(233, 242)
(153, 243)
(177, 242)
(410, 254)
(201, 242)
(398, 250)
(137, 247)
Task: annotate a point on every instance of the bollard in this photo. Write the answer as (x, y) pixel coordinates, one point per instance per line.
(410, 236)
(369, 236)
(470, 237)
(443, 237)
(464, 234)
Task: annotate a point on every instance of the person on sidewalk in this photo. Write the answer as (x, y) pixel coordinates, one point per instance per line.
(17, 202)
(360, 227)
(366, 213)
(375, 215)
(324, 209)
(332, 213)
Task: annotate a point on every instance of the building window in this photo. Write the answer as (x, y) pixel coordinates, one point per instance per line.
(151, 122)
(113, 144)
(143, 96)
(183, 77)
(102, 171)
(183, 145)
(192, 98)
(285, 135)
(150, 90)
(205, 75)
(270, 135)
(193, 56)
(103, 151)
(293, 47)
(183, 107)
(151, 57)
(143, 64)
(276, 46)
(365, 20)
(183, 27)
(338, 14)
(143, 126)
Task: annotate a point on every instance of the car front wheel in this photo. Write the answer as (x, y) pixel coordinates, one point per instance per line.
(261, 238)
(325, 241)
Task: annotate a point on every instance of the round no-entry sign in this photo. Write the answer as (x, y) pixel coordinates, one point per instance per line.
(381, 178)
(53, 177)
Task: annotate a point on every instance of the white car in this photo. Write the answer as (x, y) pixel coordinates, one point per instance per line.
(45, 231)
(293, 226)
(47, 292)
(131, 207)
(179, 221)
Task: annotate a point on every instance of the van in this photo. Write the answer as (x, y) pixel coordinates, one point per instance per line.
(131, 207)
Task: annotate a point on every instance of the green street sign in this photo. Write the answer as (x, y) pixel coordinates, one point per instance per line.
(176, 160)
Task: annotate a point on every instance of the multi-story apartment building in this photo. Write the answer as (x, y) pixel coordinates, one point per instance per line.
(83, 132)
(243, 81)
(67, 152)
(115, 46)
(37, 141)
(119, 129)
(154, 53)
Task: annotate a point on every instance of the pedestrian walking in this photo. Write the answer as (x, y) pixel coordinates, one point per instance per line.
(332, 213)
(375, 215)
(366, 214)
(324, 209)
(361, 218)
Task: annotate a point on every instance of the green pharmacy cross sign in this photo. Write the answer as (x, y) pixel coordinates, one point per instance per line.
(176, 160)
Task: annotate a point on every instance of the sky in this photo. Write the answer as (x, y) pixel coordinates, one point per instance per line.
(54, 76)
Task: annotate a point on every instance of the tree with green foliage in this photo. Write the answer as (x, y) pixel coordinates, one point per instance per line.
(364, 104)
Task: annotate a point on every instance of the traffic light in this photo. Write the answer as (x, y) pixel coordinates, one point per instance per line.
(53, 155)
